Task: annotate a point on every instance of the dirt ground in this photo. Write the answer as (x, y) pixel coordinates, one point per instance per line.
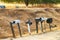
(53, 35)
(23, 14)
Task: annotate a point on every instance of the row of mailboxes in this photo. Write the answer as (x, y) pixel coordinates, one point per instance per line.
(41, 20)
(29, 23)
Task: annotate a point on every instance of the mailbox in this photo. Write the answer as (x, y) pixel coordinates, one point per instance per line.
(49, 20)
(41, 19)
(15, 22)
(29, 23)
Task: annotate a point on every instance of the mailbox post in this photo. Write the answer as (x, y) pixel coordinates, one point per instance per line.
(41, 27)
(12, 30)
(29, 23)
(37, 21)
(49, 21)
(15, 22)
(19, 29)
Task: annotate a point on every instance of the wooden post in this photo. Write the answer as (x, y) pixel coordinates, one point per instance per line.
(29, 23)
(37, 21)
(19, 29)
(12, 30)
(41, 27)
(29, 29)
(36, 27)
(44, 27)
(49, 26)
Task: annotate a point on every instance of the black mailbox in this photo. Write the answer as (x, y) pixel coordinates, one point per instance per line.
(37, 19)
(13, 22)
(29, 22)
(49, 20)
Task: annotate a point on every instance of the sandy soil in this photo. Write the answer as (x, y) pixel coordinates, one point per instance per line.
(53, 35)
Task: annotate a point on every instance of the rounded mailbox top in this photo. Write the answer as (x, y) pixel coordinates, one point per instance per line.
(15, 21)
(49, 20)
(40, 19)
(43, 18)
(37, 19)
(29, 22)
